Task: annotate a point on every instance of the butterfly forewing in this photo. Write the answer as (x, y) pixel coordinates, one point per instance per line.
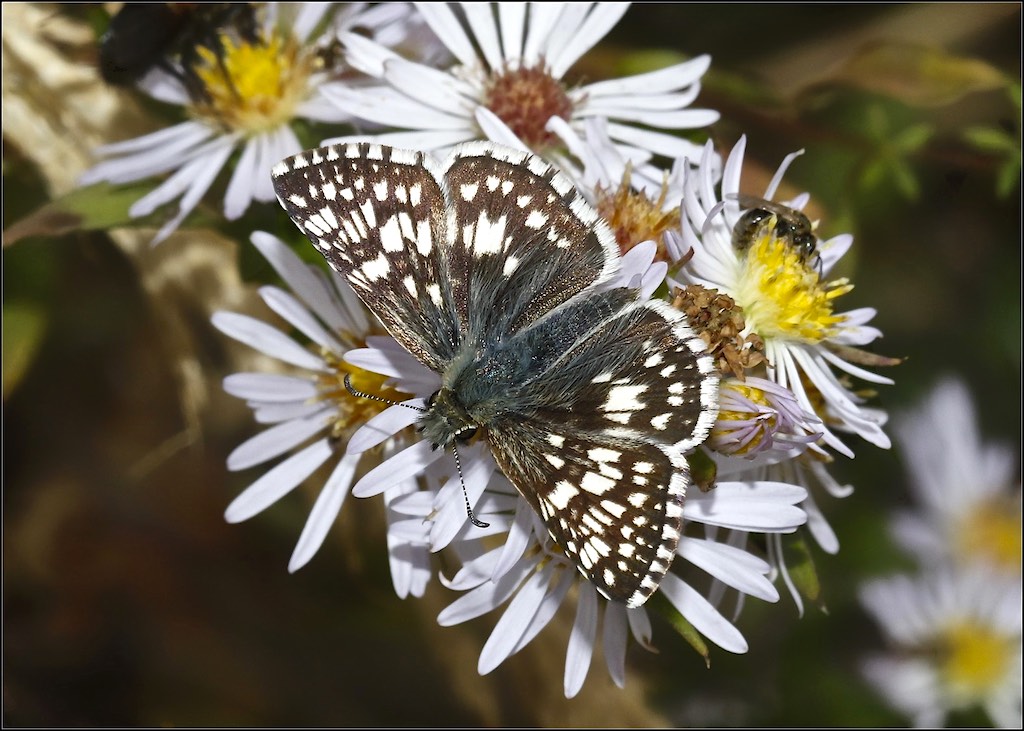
(524, 240)
(378, 215)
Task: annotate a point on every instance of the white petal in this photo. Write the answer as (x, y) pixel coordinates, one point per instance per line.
(430, 86)
(704, 617)
(269, 387)
(408, 463)
(596, 26)
(293, 312)
(613, 641)
(277, 440)
(496, 130)
(266, 339)
(542, 20)
(514, 621)
(393, 361)
(241, 187)
(481, 23)
(517, 541)
(666, 79)
(448, 29)
(581, 640)
(566, 24)
(759, 505)
(487, 596)
(324, 513)
(659, 142)
(549, 606)
(301, 279)
(414, 139)
(278, 482)
(733, 566)
(384, 426)
(512, 24)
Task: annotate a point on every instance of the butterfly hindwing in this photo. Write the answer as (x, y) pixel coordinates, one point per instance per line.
(378, 215)
(596, 442)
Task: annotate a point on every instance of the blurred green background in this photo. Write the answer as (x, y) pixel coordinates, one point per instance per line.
(127, 599)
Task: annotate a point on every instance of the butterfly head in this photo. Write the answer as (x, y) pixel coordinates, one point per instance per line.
(446, 421)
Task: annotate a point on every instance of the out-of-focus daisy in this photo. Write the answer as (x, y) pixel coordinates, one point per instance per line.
(252, 93)
(507, 83)
(786, 298)
(313, 417)
(969, 491)
(956, 644)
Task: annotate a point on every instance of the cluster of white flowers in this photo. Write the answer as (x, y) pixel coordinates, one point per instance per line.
(955, 626)
(763, 305)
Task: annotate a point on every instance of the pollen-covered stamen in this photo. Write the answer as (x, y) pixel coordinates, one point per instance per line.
(720, 323)
(634, 217)
(254, 87)
(781, 293)
(525, 99)
(352, 411)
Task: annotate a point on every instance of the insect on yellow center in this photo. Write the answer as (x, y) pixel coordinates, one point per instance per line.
(253, 88)
(525, 99)
(782, 294)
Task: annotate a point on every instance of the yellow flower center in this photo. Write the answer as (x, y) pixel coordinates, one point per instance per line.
(992, 533)
(768, 422)
(974, 659)
(782, 294)
(253, 88)
(353, 411)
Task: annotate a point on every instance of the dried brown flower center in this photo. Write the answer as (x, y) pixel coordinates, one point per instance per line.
(525, 99)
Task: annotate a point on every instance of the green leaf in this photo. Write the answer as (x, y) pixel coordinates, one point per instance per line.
(802, 570)
(918, 75)
(1008, 178)
(991, 139)
(682, 626)
(23, 331)
(99, 206)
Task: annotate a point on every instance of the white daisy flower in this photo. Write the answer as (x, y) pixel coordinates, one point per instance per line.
(507, 83)
(956, 645)
(785, 297)
(316, 404)
(253, 94)
(639, 201)
(527, 570)
(968, 491)
(757, 416)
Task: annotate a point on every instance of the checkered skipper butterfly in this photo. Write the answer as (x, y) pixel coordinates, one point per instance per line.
(494, 272)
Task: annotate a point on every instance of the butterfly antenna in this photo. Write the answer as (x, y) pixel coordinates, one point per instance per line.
(458, 465)
(362, 394)
(465, 495)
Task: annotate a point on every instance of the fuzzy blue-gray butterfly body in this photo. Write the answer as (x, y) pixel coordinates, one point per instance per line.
(493, 271)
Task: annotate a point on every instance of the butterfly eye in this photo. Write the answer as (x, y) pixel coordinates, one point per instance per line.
(465, 434)
(432, 398)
